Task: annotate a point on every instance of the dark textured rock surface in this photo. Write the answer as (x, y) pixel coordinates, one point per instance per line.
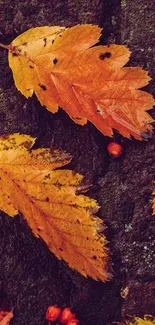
(32, 277)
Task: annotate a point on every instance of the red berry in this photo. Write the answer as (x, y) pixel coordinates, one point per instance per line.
(73, 322)
(53, 313)
(67, 316)
(115, 149)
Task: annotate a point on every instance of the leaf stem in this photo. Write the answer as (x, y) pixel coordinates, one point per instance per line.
(5, 46)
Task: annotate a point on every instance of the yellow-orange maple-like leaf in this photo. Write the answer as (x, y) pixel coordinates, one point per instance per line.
(148, 320)
(31, 184)
(89, 83)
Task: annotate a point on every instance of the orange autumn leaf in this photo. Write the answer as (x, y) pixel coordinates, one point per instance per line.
(46, 196)
(5, 317)
(90, 83)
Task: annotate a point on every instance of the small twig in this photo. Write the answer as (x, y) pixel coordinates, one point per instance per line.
(5, 46)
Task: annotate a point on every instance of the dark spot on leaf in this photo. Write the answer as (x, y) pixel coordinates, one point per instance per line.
(55, 60)
(25, 43)
(5, 137)
(98, 110)
(52, 41)
(47, 176)
(43, 87)
(47, 199)
(78, 221)
(60, 249)
(31, 67)
(105, 55)
(60, 35)
(94, 257)
(77, 118)
(45, 41)
(28, 89)
(58, 185)
(14, 54)
(87, 238)
(27, 144)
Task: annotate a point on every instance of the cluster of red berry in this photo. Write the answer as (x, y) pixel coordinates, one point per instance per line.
(65, 316)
